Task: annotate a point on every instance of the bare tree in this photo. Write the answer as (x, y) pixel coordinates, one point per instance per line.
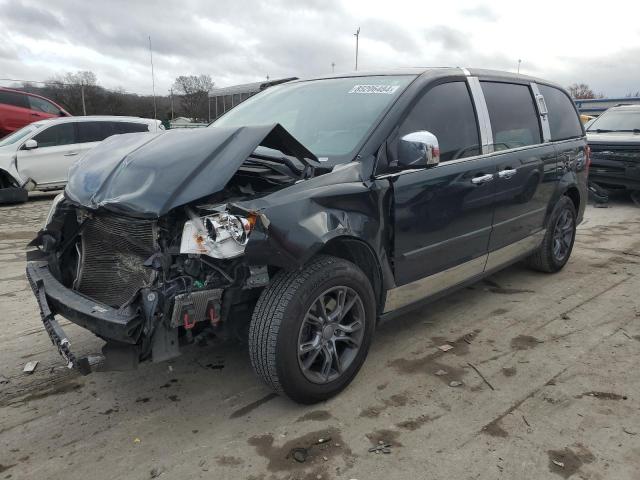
(582, 91)
(194, 91)
(69, 88)
(633, 94)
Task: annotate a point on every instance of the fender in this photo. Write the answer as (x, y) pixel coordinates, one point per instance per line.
(9, 170)
(299, 221)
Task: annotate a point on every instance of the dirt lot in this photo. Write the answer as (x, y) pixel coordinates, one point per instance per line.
(560, 396)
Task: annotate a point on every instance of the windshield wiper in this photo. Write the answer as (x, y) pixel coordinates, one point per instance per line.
(600, 130)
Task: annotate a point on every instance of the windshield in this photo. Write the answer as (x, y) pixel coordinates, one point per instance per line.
(617, 121)
(330, 117)
(18, 135)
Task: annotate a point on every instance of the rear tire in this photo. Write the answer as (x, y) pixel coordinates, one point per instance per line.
(557, 245)
(311, 329)
(13, 195)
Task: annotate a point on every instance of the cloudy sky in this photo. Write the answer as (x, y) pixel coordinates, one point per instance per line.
(237, 41)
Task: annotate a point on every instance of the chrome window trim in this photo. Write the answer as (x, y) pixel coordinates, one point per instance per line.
(461, 160)
(484, 123)
(543, 116)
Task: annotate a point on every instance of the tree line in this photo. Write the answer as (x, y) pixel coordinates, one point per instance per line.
(190, 97)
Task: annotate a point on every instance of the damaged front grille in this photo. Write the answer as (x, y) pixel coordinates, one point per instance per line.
(113, 250)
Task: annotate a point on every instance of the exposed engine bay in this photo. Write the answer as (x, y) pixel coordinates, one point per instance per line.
(154, 282)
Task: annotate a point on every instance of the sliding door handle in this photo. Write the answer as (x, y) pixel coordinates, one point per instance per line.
(507, 173)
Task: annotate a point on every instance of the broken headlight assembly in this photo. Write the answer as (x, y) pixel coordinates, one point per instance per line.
(52, 210)
(220, 235)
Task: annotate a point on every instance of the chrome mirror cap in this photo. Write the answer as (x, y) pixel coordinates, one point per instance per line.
(418, 149)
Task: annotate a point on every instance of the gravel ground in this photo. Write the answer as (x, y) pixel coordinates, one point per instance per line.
(547, 366)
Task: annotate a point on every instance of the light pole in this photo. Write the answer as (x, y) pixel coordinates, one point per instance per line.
(519, 62)
(171, 96)
(333, 67)
(357, 35)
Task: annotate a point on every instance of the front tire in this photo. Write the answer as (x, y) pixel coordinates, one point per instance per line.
(557, 245)
(311, 329)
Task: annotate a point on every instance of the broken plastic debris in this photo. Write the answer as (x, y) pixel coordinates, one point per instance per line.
(560, 464)
(29, 367)
(441, 373)
(136, 440)
(455, 383)
(446, 347)
(382, 447)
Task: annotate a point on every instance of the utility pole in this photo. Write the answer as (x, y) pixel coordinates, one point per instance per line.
(153, 85)
(357, 35)
(84, 107)
(333, 67)
(171, 96)
(519, 62)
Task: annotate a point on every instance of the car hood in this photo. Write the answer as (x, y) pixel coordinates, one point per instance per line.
(147, 175)
(614, 138)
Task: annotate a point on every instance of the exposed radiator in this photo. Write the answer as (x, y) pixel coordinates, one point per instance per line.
(113, 251)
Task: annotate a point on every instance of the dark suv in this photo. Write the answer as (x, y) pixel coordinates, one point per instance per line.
(308, 214)
(614, 138)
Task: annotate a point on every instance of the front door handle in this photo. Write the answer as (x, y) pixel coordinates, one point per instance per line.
(507, 173)
(70, 154)
(482, 179)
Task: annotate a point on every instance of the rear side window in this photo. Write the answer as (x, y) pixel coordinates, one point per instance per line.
(130, 127)
(447, 112)
(92, 131)
(513, 115)
(41, 105)
(63, 134)
(563, 119)
(14, 99)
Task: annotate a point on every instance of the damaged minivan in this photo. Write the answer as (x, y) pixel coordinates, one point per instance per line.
(308, 214)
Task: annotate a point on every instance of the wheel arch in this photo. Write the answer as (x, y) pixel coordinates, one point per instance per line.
(360, 253)
(574, 194)
(7, 180)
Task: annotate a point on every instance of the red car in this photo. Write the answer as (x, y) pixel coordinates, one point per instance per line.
(18, 109)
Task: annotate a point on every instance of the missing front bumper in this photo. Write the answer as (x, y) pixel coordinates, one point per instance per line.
(56, 333)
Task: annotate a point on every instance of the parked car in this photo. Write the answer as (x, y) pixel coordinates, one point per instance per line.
(614, 138)
(39, 155)
(308, 214)
(18, 109)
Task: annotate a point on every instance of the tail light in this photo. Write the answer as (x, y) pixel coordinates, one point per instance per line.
(587, 154)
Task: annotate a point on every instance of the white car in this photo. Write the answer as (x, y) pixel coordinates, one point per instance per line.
(39, 155)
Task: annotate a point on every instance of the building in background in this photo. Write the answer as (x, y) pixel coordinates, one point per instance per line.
(223, 99)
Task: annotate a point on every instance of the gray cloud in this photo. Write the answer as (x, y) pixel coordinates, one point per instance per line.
(480, 11)
(237, 41)
(448, 37)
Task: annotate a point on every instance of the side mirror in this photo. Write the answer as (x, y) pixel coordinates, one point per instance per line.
(30, 144)
(418, 149)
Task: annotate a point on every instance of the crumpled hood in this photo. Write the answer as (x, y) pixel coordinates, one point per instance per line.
(147, 175)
